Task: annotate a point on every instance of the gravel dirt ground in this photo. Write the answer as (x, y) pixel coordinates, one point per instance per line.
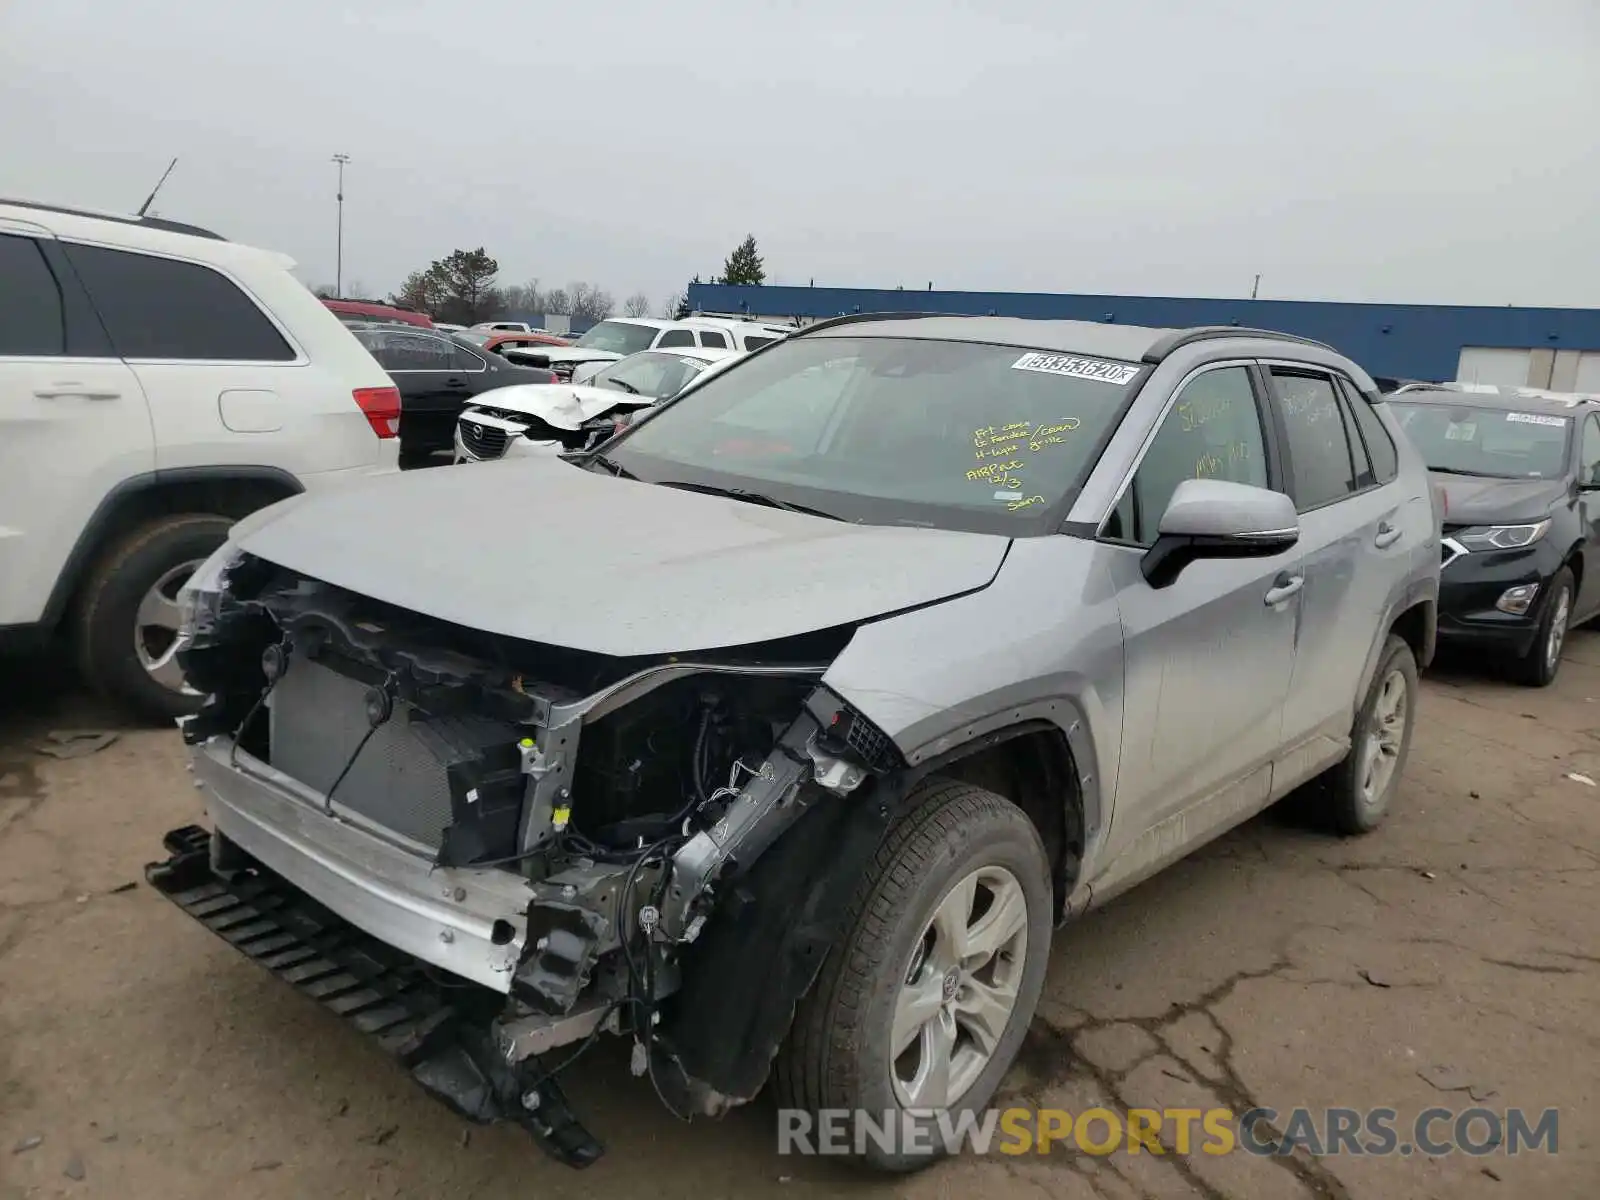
(1452, 957)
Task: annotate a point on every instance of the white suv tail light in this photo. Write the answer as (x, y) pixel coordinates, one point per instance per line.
(381, 405)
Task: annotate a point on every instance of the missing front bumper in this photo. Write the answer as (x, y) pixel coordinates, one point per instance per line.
(471, 922)
(440, 1029)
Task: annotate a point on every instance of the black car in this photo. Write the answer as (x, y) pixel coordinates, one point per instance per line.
(437, 374)
(1519, 472)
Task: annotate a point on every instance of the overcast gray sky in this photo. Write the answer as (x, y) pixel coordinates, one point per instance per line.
(1361, 150)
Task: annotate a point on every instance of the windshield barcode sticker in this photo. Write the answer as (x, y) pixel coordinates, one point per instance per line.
(1536, 419)
(1077, 368)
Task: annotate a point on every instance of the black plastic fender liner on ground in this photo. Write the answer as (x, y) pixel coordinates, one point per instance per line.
(437, 1025)
(766, 941)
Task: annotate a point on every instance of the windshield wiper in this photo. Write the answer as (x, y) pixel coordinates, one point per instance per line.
(624, 385)
(1472, 474)
(612, 465)
(749, 497)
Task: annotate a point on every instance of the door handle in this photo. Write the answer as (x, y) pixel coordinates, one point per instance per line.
(1386, 536)
(1284, 586)
(72, 391)
(455, 383)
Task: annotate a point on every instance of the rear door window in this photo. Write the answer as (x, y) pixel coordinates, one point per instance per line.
(32, 317)
(1319, 447)
(1358, 448)
(400, 351)
(161, 308)
(709, 337)
(676, 337)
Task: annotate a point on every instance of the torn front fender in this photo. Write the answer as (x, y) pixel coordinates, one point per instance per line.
(766, 942)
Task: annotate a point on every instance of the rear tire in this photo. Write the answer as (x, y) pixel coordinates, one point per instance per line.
(1538, 667)
(126, 618)
(1354, 797)
(960, 870)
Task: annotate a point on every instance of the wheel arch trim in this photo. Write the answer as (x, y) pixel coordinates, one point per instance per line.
(91, 539)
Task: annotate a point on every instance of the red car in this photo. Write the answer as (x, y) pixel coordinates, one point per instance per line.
(356, 311)
(498, 342)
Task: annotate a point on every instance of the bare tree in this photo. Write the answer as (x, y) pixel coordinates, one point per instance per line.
(590, 302)
(557, 301)
(674, 306)
(636, 305)
(523, 297)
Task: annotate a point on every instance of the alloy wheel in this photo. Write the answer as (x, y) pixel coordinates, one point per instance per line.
(155, 629)
(1385, 738)
(1559, 619)
(959, 989)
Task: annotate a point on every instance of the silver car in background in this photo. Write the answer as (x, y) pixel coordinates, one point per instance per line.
(777, 734)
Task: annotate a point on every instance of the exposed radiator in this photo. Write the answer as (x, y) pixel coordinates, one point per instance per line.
(398, 780)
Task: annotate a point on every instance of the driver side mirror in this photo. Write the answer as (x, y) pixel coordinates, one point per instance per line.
(1212, 518)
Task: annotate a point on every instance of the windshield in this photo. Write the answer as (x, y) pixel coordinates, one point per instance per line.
(617, 337)
(649, 374)
(1468, 440)
(892, 430)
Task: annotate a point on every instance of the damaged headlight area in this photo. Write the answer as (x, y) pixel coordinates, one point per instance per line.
(200, 598)
(489, 852)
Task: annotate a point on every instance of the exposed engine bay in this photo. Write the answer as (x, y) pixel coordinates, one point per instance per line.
(584, 839)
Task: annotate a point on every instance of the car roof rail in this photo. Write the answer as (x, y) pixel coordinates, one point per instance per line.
(1164, 346)
(857, 318)
(121, 219)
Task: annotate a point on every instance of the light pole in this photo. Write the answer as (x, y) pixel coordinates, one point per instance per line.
(338, 268)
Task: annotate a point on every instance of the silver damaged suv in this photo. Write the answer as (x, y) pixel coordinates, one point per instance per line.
(776, 735)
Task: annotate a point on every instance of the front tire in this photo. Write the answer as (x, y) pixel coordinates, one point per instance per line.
(924, 1002)
(1538, 667)
(127, 614)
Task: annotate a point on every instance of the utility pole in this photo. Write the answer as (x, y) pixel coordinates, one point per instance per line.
(1256, 286)
(338, 268)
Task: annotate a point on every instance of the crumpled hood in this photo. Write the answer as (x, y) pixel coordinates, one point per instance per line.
(1473, 501)
(561, 405)
(557, 354)
(546, 551)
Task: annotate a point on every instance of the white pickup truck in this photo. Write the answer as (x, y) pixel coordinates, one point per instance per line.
(619, 337)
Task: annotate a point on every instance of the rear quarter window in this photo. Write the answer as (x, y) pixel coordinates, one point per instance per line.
(1380, 446)
(161, 308)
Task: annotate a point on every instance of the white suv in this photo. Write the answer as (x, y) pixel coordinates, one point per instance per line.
(156, 383)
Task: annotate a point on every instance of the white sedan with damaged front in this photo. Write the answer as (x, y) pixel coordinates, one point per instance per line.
(542, 419)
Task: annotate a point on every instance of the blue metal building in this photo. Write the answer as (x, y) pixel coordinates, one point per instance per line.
(1540, 347)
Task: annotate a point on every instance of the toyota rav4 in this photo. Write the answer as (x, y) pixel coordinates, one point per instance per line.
(776, 734)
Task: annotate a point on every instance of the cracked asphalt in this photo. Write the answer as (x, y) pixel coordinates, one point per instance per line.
(1451, 959)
